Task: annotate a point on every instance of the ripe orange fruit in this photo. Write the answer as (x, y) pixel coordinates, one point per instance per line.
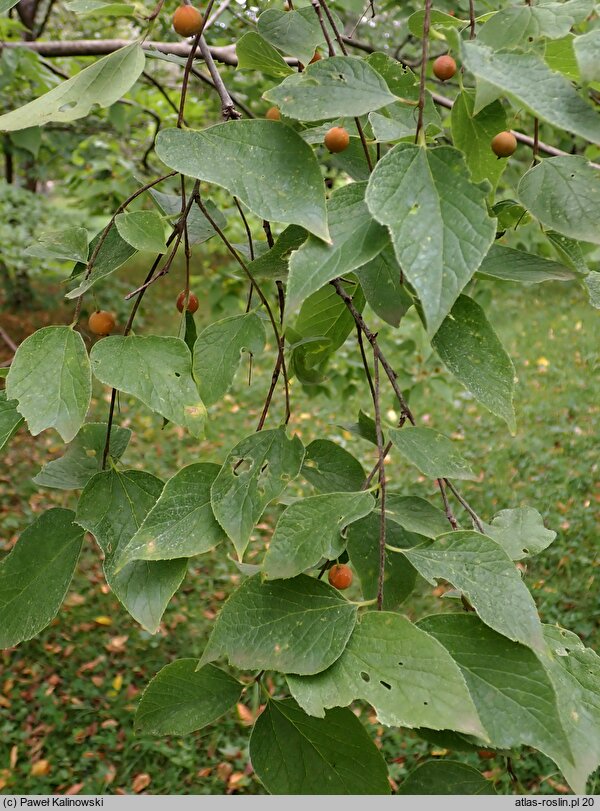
(504, 144)
(187, 21)
(340, 576)
(273, 114)
(444, 67)
(192, 304)
(336, 139)
(101, 322)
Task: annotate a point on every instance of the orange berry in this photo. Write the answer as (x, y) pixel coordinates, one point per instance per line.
(187, 21)
(340, 576)
(101, 322)
(192, 304)
(337, 139)
(273, 114)
(444, 67)
(504, 144)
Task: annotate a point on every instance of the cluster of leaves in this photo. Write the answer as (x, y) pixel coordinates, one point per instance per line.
(411, 226)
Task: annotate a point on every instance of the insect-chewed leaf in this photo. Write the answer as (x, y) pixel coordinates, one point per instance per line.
(294, 753)
(310, 529)
(256, 471)
(293, 626)
(35, 576)
(181, 699)
(520, 531)
(388, 662)
(101, 84)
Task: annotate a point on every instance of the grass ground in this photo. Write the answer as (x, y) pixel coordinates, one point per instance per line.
(67, 699)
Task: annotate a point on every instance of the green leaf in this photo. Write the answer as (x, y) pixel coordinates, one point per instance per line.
(218, 353)
(516, 26)
(155, 369)
(255, 53)
(473, 134)
(199, 228)
(439, 19)
(388, 662)
(83, 457)
(559, 55)
(530, 82)
(471, 350)
(70, 244)
(297, 33)
(356, 238)
(445, 777)
(364, 428)
(35, 576)
(29, 139)
(273, 264)
(331, 468)
(575, 673)
(510, 265)
(521, 532)
(6, 5)
(144, 230)
(181, 524)
(293, 753)
(113, 253)
(10, 419)
(380, 282)
(438, 221)
(190, 334)
(99, 85)
(241, 156)
(338, 86)
(325, 320)
(592, 283)
(586, 48)
(515, 698)
(256, 471)
(564, 194)
(433, 453)
(363, 551)
(416, 515)
(112, 506)
(310, 530)
(570, 252)
(50, 378)
(99, 8)
(480, 568)
(181, 699)
(293, 626)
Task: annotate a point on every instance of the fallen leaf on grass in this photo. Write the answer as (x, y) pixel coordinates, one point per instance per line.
(140, 782)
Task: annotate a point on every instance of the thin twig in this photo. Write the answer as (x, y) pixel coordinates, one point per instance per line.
(464, 503)
(318, 12)
(8, 340)
(471, 19)
(246, 227)
(228, 110)
(382, 483)
(424, 53)
(149, 78)
(441, 483)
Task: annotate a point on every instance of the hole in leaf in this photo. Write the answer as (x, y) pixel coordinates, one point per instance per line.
(426, 703)
(386, 685)
(242, 466)
(67, 106)
(401, 664)
(365, 676)
(177, 374)
(526, 551)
